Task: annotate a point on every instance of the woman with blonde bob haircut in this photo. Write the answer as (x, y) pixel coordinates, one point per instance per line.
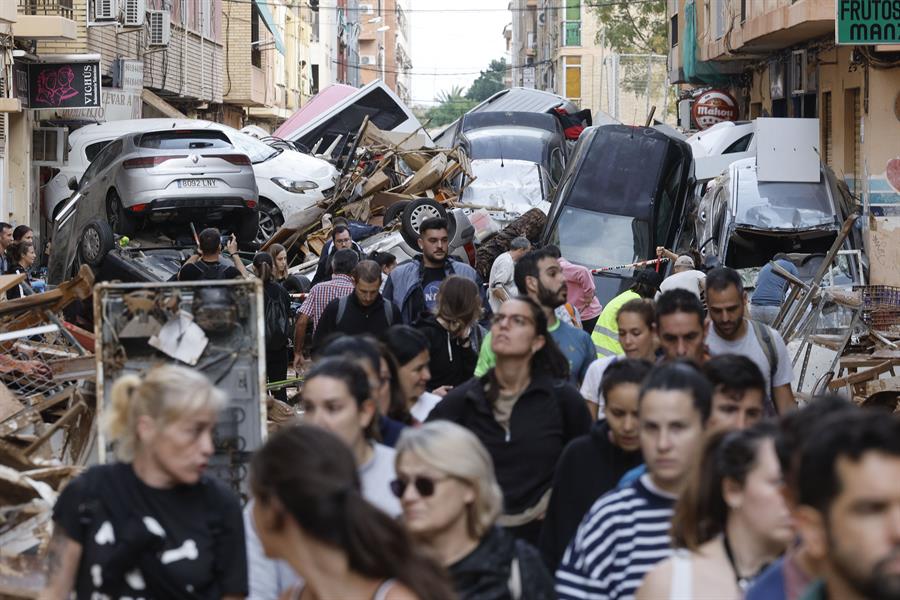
(451, 501)
(152, 525)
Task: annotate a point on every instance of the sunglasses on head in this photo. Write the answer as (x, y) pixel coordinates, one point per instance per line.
(424, 486)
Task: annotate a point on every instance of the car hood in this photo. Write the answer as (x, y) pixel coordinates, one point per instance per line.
(299, 166)
(514, 186)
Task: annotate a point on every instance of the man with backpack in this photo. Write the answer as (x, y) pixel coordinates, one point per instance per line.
(207, 264)
(363, 311)
(732, 333)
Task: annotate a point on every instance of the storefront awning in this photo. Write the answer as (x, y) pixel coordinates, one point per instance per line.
(266, 14)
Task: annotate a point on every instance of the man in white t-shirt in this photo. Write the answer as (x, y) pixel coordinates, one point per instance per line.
(501, 284)
(684, 276)
(732, 333)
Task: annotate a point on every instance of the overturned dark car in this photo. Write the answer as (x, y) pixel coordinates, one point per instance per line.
(624, 192)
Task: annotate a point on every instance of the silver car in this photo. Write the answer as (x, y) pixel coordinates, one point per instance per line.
(174, 174)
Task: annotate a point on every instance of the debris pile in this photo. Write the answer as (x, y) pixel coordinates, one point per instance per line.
(387, 180)
(47, 374)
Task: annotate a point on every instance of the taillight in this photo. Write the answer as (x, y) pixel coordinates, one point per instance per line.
(250, 203)
(470, 253)
(235, 159)
(147, 162)
(138, 208)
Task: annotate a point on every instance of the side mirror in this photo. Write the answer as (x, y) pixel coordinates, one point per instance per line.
(73, 184)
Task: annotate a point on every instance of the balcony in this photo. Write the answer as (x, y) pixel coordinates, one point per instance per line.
(45, 20)
(781, 26)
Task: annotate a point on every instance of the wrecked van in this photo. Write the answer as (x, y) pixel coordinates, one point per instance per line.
(623, 194)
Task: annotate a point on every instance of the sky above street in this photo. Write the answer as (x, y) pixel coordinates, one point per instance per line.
(452, 40)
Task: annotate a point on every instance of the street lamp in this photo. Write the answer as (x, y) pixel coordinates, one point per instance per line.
(381, 57)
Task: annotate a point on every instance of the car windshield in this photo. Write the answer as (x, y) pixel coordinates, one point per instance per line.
(185, 140)
(508, 145)
(598, 239)
(257, 151)
(782, 205)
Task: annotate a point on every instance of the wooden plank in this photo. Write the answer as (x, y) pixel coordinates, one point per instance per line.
(867, 375)
(7, 282)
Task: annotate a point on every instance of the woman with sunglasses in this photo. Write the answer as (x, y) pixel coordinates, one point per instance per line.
(730, 522)
(336, 397)
(309, 511)
(454, 335)
(523, 410)
(451, 501)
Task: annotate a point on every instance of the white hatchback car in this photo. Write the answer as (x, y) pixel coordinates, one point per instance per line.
(288, 181)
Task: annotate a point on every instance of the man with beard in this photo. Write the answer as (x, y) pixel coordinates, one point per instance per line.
(413, 286)
(849, 513)
(731, 333)
(539, 276)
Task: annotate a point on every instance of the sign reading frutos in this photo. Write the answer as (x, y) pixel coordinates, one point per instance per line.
(862, 22)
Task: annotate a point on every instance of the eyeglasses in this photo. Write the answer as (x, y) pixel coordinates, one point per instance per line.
(517, 320)
(424, 486)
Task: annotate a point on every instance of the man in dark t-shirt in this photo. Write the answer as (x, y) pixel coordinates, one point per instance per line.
(207, 264)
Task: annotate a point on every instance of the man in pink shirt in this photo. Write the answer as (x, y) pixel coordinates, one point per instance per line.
(580, 287)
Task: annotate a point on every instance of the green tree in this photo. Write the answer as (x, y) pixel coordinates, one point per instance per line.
(452, 104)
(634, 28)
(488, 82)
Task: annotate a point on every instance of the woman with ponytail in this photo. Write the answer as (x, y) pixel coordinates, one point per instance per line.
(277, 303)
(310, 512)
(523, 410)
(151, 526)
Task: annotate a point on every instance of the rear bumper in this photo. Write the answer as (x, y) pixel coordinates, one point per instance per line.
(175, 208)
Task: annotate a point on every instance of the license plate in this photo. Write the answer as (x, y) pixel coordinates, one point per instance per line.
(197, 183)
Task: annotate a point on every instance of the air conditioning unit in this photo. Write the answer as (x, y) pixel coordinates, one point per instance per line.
(367, 59)
(134, 13)
(160, 27)
(105, 10)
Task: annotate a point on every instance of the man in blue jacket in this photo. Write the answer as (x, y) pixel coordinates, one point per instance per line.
(413, 286)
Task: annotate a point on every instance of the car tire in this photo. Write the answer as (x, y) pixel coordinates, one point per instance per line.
(270, 219)
(95, 242)
(120, 221)
(416, 212)
(246, 229)
(393, 211)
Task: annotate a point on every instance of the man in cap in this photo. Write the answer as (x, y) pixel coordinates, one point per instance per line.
(685, 276)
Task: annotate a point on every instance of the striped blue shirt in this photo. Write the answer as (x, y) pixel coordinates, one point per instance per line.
(622, 537)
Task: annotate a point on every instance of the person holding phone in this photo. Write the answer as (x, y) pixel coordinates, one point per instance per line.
(207, 263)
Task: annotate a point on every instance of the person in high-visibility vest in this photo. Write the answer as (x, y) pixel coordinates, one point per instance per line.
(606, 332)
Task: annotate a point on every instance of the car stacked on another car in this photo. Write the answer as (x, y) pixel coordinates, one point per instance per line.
(161, 180)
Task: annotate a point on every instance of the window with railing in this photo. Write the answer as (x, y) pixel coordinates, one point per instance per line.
(571, 24)
(54, 8)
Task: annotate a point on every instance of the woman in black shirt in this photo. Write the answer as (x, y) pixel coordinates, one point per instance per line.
(21, 256)
(523, 410)
(153, 526)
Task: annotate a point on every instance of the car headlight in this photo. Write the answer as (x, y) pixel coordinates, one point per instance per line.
(296, 186)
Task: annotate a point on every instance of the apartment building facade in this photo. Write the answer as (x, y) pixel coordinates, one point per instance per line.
(560, 47)
(385, 45)
(779, 58)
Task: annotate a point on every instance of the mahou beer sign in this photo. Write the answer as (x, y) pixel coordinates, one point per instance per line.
(714, 106)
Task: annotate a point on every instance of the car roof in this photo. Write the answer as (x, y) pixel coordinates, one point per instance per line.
(116, 129)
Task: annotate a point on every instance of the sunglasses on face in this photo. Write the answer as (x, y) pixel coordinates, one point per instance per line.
(424, 486)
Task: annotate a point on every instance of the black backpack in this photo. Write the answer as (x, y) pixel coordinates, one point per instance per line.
(278, 321)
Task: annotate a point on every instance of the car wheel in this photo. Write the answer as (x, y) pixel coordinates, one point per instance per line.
(417, 212)
(119, 219)
(270, 220)
(96, 241)
(393, 211)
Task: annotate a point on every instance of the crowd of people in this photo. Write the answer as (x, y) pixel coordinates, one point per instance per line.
(461, 440)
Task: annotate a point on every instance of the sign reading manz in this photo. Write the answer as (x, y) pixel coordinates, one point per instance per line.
(64, 85)
(864, 22)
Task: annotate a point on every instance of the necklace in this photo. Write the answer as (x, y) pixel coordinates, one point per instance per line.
(742, 582)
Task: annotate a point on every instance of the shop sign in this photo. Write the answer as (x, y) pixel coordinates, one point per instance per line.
(714, 106)
(59, 85)
(867, 22)
(116, 105)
